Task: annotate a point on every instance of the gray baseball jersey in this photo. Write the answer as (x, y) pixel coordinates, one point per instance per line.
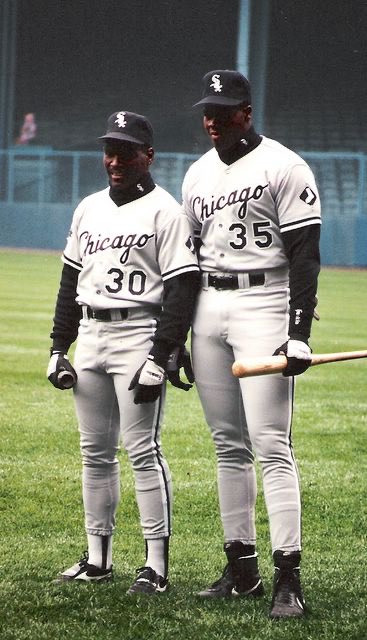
(240, 211)
(124, 258)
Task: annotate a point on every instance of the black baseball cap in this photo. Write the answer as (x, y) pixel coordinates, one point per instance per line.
(130, 127)
(225, 87)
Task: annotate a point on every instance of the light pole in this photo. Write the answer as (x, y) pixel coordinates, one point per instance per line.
(252, 51)
(8, 15)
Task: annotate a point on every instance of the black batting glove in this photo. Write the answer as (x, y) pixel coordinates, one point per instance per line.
(60, 371)
(180, 359)
(298, 355)
(147, 383)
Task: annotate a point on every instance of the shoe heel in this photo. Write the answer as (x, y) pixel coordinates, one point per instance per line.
(255, 592)
(258, 591)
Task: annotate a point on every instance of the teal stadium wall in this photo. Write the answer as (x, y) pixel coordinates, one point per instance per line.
(40, 187)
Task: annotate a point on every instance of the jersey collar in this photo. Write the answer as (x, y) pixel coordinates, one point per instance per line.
(248, 143)
(138, 190)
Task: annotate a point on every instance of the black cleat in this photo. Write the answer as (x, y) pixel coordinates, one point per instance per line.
(84, 572)
(222, 588)
(226, 587)
(287, 600)
(240, 577)
(148, 582)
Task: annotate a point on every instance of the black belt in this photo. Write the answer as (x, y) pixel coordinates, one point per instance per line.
(230, 281)
(107, 315)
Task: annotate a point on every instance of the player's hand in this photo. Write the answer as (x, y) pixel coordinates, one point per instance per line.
(298, 355)
(147, 382)
(180, 359)
(60, 372)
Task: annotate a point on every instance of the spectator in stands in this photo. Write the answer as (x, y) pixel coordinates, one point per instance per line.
(28, 130)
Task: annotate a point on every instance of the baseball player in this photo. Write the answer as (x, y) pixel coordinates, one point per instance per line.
(127, 292)
(255, 211)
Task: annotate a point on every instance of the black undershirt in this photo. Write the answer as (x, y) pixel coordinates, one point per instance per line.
(134, 192)
(249, 141)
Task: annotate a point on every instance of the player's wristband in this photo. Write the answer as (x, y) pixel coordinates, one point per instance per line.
(160, 353)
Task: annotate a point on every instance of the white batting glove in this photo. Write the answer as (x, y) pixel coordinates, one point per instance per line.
(148, 382)
(151, 374)
(298, 349)
(298, 355)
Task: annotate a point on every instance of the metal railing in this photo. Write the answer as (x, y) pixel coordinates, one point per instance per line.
(42, 175)
(46, 185)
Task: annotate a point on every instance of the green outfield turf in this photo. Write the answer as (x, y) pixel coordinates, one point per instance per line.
(41, 511)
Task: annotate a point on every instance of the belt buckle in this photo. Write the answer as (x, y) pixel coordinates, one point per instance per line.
(222, 282)
(118, 314)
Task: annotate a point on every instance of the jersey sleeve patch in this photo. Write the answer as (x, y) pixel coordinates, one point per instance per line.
(308, 196)
(190, 245)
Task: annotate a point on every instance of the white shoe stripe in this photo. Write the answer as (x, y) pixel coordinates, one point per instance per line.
(145, 580)
(241, 593)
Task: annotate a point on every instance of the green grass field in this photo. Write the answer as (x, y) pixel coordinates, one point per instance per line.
(42, 527)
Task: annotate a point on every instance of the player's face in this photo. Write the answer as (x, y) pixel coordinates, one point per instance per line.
(226, 125)
(126, 162)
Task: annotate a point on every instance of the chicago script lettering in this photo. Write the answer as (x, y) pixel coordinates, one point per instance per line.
(205, 208)
(93, 245)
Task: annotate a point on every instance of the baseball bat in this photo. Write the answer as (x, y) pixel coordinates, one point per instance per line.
(66, 379)
(264, 365)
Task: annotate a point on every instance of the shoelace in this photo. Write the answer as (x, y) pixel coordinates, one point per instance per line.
(84, 559)
(227, 574)
(286, 587)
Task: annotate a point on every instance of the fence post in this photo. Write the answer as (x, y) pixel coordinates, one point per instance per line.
(75, 177)
(362, 160)
(10, 176)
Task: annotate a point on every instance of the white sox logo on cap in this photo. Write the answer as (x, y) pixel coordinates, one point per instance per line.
(217, 86)
(120, 119)
(130, 127)
(225, 87)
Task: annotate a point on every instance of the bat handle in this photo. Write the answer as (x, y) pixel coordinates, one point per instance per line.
(66, 379)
